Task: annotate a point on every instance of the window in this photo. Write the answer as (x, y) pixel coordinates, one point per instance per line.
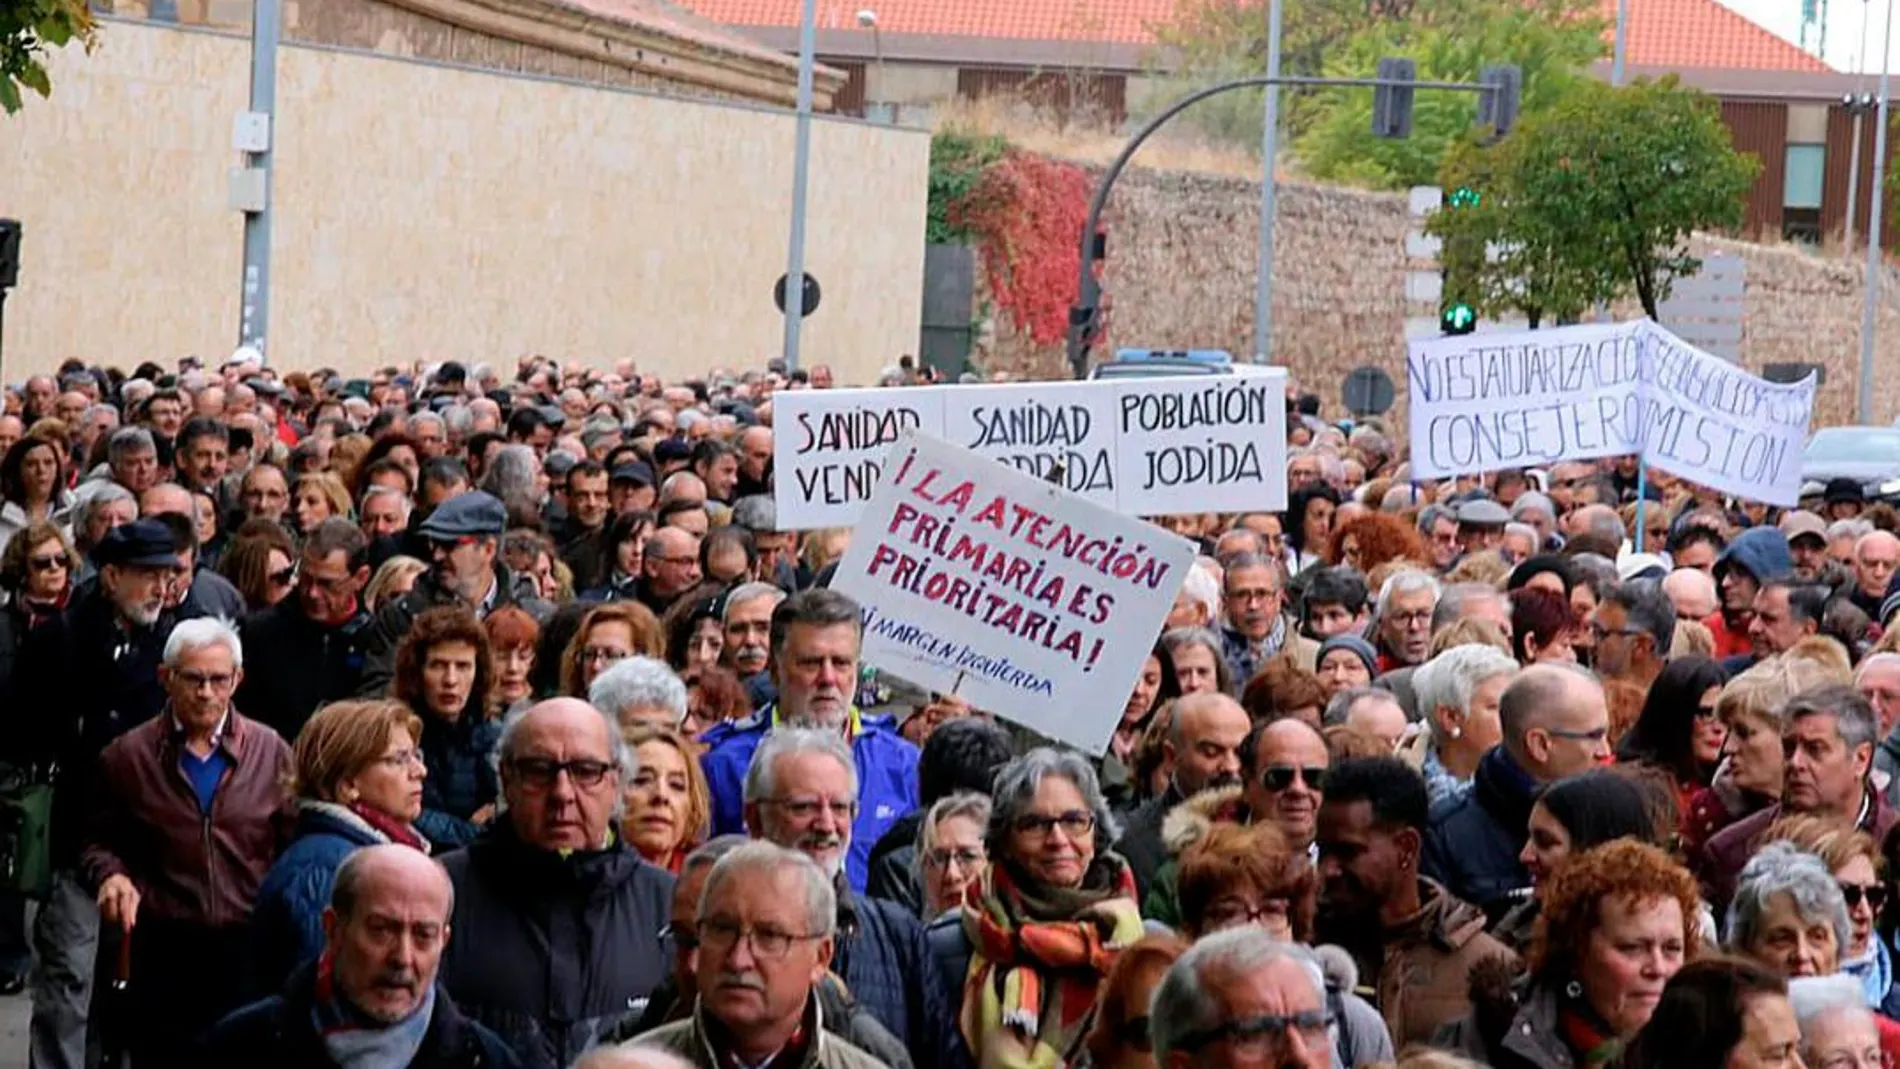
(1801, 192)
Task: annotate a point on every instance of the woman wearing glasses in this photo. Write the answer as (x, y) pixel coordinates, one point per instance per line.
(358, 782)
(1619, 920)
(1679, 731)
(1040, 930)
(261, 562)
(444, 672)
(607, 634)
(950, 854)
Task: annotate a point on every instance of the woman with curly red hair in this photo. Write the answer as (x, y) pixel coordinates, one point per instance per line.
(1618, 921)
(1365, 543)
(445, 672)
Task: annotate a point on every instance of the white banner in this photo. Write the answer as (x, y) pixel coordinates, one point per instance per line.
(1483, 402)
(1025, 599)
(1140, 447)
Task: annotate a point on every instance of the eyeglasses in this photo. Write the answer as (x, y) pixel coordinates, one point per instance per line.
(1233, 913)
(1599, 632)
(1593, 735)
(1280, 777)
(682, 936)
(1074, 824)
(331, 585)
(942, 858)
(602, 655)
(809, 808)
(401, 760)
(55, 562)
(200, 680)
(1251, 1036)
(720, 936)
(1874, 893)
(284, 577)
(681, 561)
(540, 773)
(1415, 618)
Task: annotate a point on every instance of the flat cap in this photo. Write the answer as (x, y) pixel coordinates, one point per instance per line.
(631, 472)
(466, 515)
(144, 543)
(1485, 513)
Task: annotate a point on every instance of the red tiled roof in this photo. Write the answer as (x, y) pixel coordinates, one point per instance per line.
(1118, 21)
(1685, 34)
(1676, 34)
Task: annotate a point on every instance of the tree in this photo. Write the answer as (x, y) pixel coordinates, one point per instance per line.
(1552, 42)
(28, 30)
(1593, 200)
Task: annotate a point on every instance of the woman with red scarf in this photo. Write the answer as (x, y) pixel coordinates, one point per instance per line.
(358, 782)
(36, 576)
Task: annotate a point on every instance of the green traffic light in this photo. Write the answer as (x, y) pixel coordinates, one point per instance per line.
(1458, 318)
(1464, 197)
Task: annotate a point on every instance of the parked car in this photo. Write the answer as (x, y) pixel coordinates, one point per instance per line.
(1145, 363)
(1868, 454)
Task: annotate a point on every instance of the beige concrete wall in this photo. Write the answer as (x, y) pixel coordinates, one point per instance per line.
(910, 83)
(431, 212)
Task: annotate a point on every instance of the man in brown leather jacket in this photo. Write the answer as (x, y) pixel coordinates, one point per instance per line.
(1413, 941)
(187, 817)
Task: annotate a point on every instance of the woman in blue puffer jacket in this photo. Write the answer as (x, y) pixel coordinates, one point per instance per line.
(359, 782)
(444, 672)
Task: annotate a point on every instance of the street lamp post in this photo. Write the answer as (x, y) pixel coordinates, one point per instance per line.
(1871, 288)
(801, 169)
(867, 19)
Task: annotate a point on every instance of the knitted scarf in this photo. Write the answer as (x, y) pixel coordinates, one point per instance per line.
(1039, 956)
(353, 1040)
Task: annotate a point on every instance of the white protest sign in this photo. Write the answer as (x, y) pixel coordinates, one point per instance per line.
(826, 457)
(1035, 427)
(1016, 595)
(1202, 444)
(1142, 447)
(1713, 423)
(1486, 402)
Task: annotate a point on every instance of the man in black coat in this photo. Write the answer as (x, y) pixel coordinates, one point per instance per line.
(557, 921)
(1203, 752)
(84, 678)
(370, 999)
(1554, 723)
(312, 647)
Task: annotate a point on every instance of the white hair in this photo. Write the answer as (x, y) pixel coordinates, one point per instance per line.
(1855, 529)
(1407, 581)
(636, 682)
(1183, 1006)
(760, 775)
(202, 633)
(1201, 587)
(821, 902)
(1449, 679)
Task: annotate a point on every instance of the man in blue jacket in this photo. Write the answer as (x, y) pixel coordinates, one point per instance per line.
(815, 643)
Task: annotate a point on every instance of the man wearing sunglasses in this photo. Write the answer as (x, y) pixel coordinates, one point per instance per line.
(464, 539)
(1554, 723)
(556, 919)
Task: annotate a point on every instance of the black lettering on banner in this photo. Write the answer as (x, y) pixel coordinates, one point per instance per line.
(1215, 462)
(1221, 405)
(854, 429)
(1031, 425)
(1082, 473)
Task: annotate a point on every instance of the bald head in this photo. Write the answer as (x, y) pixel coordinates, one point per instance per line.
(563, 764)
(1555, 721)
(373, 872)
(166, 498)
(1878, 680)
(1204, 742)
(380, 889)
(1875, 558)
(1692, 592)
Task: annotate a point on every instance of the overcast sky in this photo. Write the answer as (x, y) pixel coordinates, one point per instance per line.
(1843, 27)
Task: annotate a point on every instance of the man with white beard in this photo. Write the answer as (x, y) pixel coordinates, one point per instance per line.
(801, 792)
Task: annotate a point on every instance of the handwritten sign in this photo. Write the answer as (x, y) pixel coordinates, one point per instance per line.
(1485, 402)
(826, 457)
(1019, 596)
(1141, 447)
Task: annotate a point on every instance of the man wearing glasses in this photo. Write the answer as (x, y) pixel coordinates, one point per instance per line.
(1554, 723)
(766, 939)
(557, 919)
(91, 674)
(182, 831)
(1239, 998)
(1632, 631)
(801, 792)
(315, 641)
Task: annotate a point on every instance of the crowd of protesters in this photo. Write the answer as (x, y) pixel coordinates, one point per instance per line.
(462, 716)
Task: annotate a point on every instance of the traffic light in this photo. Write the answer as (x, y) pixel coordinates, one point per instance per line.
(1457, 317)
(1463, 197)
(1392, 104)
(1497, 105)
(1457, 314)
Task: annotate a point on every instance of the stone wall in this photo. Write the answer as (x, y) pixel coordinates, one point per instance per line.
(1182, 250)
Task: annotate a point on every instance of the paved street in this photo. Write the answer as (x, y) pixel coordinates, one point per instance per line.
(13, 1016)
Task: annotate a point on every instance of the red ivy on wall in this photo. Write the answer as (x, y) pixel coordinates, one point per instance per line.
(1026, 212)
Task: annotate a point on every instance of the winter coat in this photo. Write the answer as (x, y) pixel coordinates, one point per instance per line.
(288, 920)
(280, 1032)
(1761, 552)
(1184, 826)
(548, 949)
(892, 869)
(887, 779)
(1141, 844)
(1419, 970)
(843, 1016)
(688, 1040)
(303, 664)
(887, 964)
(1513, 1024)
(395, 618)
(461, 778)
(1472, 846)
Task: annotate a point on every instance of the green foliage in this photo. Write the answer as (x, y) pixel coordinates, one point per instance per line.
(1552, 42)
(28, 29)
(1591, 201)
(957, 162)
